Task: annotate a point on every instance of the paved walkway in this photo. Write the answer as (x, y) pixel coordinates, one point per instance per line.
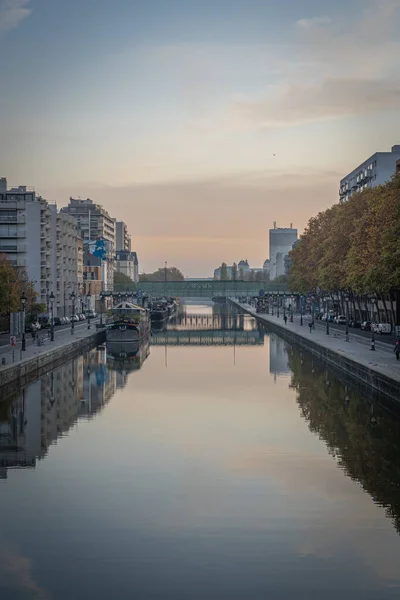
(62, 337)
(383, 360)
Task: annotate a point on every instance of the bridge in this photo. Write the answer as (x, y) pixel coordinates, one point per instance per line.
(209, 330)
(208, 288)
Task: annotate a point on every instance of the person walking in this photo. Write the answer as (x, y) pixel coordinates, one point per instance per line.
(397, 349)
(285, 319)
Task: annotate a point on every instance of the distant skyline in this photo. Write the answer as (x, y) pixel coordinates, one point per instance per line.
(197, 123)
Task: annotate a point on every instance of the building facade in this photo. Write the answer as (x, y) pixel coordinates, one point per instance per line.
(376, 170)
(28, 236)
(95, 223)
(122, 237)
(67, 264)
(127, 264)
(281, 240)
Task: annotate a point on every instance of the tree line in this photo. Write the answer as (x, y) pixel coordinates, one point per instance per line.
(171, 274)
(351, 251)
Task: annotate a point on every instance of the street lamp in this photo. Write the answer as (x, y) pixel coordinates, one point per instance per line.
(51, 299)
(89, 297)
(327, 317)
(23, 302)
(73, 313)
(372, 330)
(284, 305)
(346, 299)
(301, 310)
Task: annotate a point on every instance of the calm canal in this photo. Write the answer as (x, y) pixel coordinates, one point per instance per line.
(226, 465)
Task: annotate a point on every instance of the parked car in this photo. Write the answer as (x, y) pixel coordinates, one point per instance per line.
(57, 321)
(82, 317)
(91, 314)
(340, 320)
(67, 321)
(382, 328)
(367, 325)
(354, 323)
(34, 326)
(74, 318)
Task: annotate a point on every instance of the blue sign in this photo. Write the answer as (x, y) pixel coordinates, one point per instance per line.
(98, 248)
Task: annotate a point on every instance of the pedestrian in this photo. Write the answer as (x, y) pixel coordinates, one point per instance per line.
(285, 319)
(310, 325)
(397, 349)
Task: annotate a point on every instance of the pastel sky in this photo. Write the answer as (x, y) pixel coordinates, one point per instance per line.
(170, 112)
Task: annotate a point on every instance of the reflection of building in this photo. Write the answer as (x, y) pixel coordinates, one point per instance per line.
(38, 415)
(281, 241)
(278, 356)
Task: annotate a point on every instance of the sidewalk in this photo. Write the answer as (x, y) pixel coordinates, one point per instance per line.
(382, 361)
(62, 338)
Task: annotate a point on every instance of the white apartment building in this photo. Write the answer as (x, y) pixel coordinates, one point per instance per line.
(27, 235)
(281, 240)
(376, 170)
(94, 223)
(122, 237)
(127, 263)
(66, 264)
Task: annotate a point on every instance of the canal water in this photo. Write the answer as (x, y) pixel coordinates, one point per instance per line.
(221, 463)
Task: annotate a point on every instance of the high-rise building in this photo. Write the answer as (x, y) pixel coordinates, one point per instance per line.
(376, 170)
(122, 237)
(28, 235)
(281, 240)
(95, 223)
(127, 263)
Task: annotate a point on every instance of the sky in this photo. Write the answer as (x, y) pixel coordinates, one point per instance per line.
(199, 124)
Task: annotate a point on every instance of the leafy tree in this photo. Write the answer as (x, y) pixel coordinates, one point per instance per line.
(224, 272)
(241, 274)
(234, 271)
(173, 274)
(252, 276)
(122, 281)
(9, 288)
(259, 276)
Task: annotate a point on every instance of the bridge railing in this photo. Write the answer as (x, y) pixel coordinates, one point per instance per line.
(209, 288)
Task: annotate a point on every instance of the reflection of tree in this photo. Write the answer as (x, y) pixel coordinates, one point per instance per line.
(363, 436)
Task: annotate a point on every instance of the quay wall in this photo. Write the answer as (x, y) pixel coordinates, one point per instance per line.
(24, 372)
(372, 382)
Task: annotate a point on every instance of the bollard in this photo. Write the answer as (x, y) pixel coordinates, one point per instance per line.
(373, 342)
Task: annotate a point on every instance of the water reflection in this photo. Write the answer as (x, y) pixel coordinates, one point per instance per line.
(363, 436)
(32, 420)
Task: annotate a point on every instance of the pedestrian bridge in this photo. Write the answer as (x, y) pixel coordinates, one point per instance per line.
(208, 288)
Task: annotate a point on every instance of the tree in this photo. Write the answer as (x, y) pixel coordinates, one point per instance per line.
(172, 274)
(224, 272)
(234, 271)
(252, 276)
(9, 288)
(124, 282)
(241, 274)
(259, 276)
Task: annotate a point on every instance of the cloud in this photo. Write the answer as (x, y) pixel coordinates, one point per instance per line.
(12, 12)
(314, 22)
(331, 98)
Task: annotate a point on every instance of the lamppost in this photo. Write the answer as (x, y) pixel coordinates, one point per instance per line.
(89, 298)
(327, 317)
(346, 299)
(284, 305)
(23, 302)
(301, 310)
(51, 299)
(101, 310)
(73, 313)
(372, 330)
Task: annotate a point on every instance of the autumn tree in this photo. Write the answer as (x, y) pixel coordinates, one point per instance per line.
(234, 271)
(224, 276)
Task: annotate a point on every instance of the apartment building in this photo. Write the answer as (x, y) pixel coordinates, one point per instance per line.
(94, 223)
(376, 170)
(127, 263)
(122, 237)
(281, 240)
(27, 235)
(66, 264)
